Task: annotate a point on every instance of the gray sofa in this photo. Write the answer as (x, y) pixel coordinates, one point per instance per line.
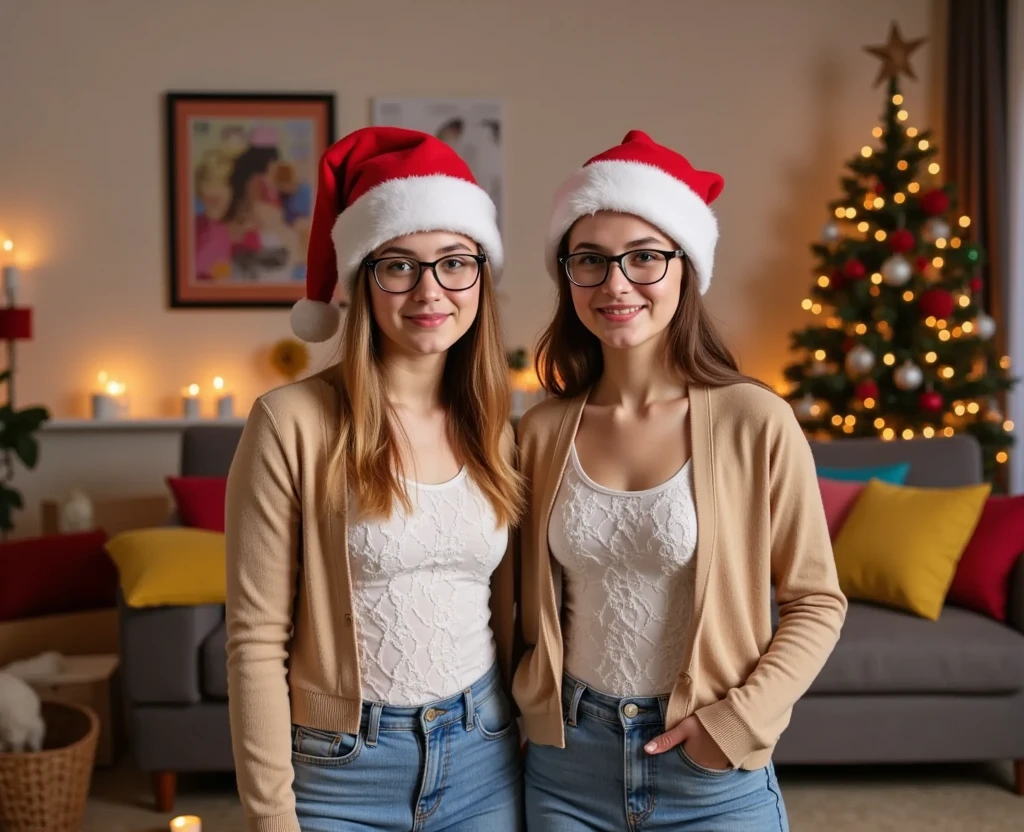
(897, 688)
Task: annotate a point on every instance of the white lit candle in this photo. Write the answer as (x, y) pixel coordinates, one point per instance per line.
(225, 401)
(190, 402)
(10, 276)
(187, 823)
(109, 402)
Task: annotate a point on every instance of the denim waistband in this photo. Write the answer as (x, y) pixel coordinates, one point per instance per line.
(579, 697)
(378, 717)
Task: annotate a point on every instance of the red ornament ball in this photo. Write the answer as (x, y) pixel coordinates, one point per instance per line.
(853, 269)
(837, 280)
(847, 344)
(937, 303)
(930, 401)
(934, 202)
(866, 390)
(879, 187)
(976, 284)
(921, 263)
(901, 241)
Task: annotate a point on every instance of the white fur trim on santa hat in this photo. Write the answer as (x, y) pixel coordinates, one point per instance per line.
(420, 203)
(645, 191)
(314, 320)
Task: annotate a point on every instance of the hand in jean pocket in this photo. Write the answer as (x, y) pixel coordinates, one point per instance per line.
(697, 743)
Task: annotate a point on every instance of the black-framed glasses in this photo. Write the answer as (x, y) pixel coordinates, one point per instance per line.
(642, 266)
(453, 272)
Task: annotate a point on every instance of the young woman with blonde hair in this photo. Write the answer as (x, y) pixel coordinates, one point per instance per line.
(668, 494)
(370, 593)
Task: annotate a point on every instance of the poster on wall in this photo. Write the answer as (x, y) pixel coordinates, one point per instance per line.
(242, 173)
(474, 127)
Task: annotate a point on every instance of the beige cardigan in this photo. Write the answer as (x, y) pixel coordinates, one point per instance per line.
(291, 637)
(760, 522)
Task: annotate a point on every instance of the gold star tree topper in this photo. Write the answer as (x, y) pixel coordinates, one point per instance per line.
(895, 55)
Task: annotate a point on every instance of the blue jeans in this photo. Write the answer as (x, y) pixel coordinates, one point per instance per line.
(604, 781)
(450, 766)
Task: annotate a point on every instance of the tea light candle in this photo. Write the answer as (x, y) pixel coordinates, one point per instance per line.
(190, 402)
(225, 401)
(187, 823)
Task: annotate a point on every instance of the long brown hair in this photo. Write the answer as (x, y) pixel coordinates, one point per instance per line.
(569, 359)
(474, 392)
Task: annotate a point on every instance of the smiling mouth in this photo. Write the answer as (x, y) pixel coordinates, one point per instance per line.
(428, 321)
(620, 313)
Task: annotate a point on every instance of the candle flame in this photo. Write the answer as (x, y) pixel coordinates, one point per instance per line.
(8, 245)
(193, 389)
(218, 383)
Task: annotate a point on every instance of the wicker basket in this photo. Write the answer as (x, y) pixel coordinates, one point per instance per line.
(46, 791)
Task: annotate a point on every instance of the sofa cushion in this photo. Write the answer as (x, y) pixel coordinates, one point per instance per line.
(200, 501)
(900, 544)
(885, 651)
(215, 663)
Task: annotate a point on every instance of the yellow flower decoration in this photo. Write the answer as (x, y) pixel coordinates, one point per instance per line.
(289, 358)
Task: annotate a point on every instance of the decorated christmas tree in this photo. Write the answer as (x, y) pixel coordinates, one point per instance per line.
(899, 344)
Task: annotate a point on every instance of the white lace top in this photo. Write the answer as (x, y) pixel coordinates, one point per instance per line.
(628, 567)
(420, 593)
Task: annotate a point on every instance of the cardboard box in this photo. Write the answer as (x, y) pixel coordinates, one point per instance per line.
(91, 681)
(115, 515)
(73, 634)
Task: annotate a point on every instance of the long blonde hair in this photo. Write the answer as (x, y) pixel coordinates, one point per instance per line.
(570, 361)
(474, 392)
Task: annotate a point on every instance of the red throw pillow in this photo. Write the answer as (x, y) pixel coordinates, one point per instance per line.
(982, 578)
(838, 497)
(56, 574)
(200, 501)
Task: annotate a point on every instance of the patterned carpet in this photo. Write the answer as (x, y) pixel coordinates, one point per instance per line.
(890, 799)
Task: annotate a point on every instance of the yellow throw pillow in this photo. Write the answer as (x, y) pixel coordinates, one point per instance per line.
(900, 545)
(170, 566)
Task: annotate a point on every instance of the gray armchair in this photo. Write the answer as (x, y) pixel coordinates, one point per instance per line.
(174, 661)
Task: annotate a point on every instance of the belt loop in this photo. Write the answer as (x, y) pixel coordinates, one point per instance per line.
(577, 694)
(373, 727)
(468, 693)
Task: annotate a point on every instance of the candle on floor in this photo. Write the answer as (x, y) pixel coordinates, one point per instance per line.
(225, 401)
(190, 402)
(186, 823)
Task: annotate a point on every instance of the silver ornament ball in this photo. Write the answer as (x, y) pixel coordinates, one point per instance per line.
(936, 229)
(896, 270)
(985, 326)
(804, 408)
(908, 376)
(859, 361)
(818, 369)
(831, 232)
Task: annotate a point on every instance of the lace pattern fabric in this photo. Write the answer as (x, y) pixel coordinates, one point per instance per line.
(629, 572)
(421, 593)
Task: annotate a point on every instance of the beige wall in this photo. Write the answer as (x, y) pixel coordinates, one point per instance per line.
(774, 95)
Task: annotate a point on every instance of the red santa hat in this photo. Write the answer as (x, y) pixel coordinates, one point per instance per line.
(377, 184)
(648, 180)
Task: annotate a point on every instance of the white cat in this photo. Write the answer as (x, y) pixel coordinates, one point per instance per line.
(21, 720)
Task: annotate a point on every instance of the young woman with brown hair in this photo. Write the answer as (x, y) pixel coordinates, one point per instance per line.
(370, 596)
(668, 494)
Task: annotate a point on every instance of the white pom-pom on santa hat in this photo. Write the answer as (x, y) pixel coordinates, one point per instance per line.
(377, 184)
(648, 180)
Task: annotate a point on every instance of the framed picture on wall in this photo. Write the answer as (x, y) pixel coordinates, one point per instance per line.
(242, 175)
(473, 126)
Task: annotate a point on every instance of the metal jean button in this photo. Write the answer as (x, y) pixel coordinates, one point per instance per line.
(630, 710)
(431, 714)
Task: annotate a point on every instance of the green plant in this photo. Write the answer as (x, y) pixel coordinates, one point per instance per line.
(518, 359)
(17, 439)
